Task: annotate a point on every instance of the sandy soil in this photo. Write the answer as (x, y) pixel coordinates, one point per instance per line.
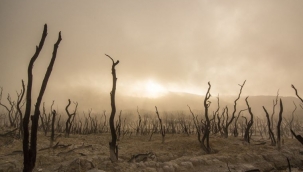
(179, 153)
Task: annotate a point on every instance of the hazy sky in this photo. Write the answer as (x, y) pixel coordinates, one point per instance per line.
(171, 45)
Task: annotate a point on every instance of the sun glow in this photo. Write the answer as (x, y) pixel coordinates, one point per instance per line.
(147, 88)
(153, 89)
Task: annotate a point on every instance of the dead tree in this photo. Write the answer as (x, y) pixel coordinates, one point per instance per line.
(296, 91)
(220, 124)
(205, 139)
(236, 133)
(292, 117)
(113, 147)
(104, 124)
(226, 127)
(162, 128)
(196, 124)
(298, 137)
(249, 124)
(216, 114)
(139, 122)
(10, 110)
(271, 134)
(53, 124)
(275, 102)
(46, 120)
(30, 144)
(70, 119)
(279, 124)
(20, 98)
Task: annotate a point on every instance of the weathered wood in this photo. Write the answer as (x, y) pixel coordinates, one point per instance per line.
(113, 148)
(30, 144)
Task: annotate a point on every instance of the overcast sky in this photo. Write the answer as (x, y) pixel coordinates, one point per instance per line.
(162, 46)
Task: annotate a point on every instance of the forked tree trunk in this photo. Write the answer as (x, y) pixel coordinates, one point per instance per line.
(225, 128)
(30, 148)
(113, 148)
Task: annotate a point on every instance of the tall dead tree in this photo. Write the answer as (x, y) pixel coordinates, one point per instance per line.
(30, 143)
(113, 147)
(249, 124)
(225, 128)
(205, 138)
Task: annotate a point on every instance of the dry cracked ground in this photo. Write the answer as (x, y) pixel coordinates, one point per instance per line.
(178, 153)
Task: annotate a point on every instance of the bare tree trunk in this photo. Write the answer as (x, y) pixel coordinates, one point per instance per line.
(19, 110)
(30, 149)
(270, 133)
(205, 139)
(236, 133)
(162, 129)
(279, 124)
(275, 102)
(113, 148)
(298, 137)
(53, 125)
(70, 119)
(249, 124)
(225, 128)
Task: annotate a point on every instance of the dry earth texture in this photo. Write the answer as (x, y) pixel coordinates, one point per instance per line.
(179, 153)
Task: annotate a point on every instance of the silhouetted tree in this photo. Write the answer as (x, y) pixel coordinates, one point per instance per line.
(279, 124)
(30, 145)
(20, 98)
(226, 126)
(249, 124)
(45, 119)
(113, 147)
(270, 132)
(70, 119)
(10, 109)
(162, 128)
(53, 125)
(236, 133)
(298, 137)
(205, 139)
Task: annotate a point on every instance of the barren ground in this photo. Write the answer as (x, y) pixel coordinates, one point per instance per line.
(179, 153)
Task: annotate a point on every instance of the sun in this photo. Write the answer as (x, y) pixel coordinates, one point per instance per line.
(153, 89)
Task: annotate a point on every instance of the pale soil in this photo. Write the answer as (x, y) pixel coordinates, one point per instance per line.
(178, 153)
